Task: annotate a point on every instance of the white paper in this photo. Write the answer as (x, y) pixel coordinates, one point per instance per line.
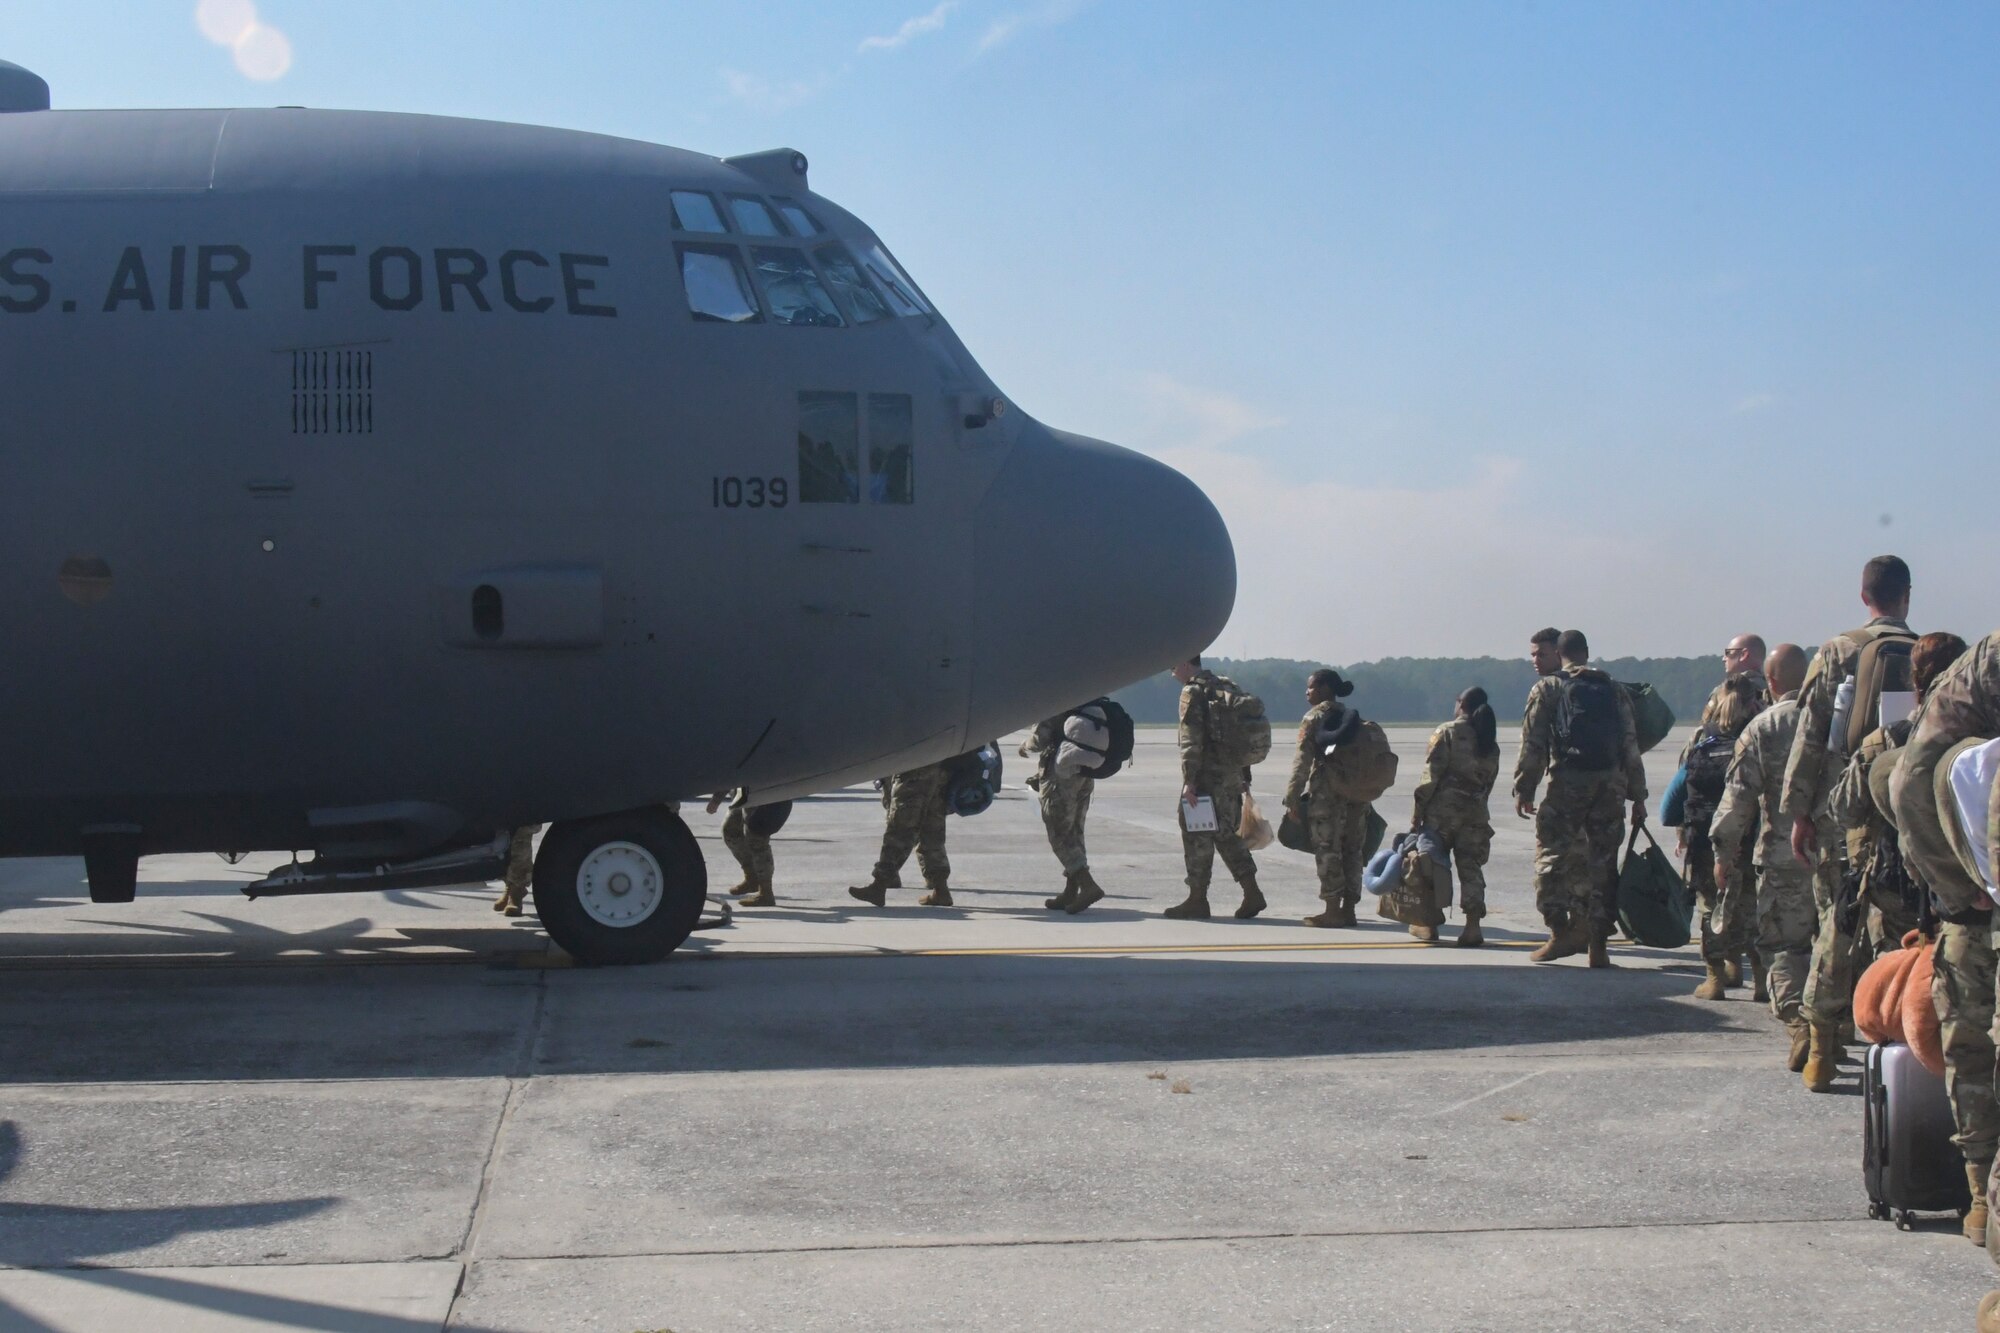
(1972, 776)
(1896, 706)
(1199, 817)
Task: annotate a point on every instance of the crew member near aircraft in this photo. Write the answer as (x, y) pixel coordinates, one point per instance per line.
(751, 849)
(916, 817)
(1064, 793)
(1213, 765)
(520, 871)
(1579, 730)
(1460, 768)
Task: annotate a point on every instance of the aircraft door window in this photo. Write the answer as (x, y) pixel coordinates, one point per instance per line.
(801, 222)
(829, 448)
(844, 276)
(695, 211)
(792, 291)
(752, 218)
(717, 287)
(903, 296)
(892, 438)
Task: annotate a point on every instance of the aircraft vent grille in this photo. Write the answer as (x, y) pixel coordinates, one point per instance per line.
(333, 393)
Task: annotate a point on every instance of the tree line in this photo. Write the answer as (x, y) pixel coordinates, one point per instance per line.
(1420, 689)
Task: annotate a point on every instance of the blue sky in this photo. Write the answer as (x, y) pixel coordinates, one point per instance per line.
(1656, 320)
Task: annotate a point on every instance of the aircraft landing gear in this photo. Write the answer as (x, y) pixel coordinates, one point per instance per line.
(623, 888)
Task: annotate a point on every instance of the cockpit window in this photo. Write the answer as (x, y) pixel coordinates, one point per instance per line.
(829, 448)
(752, 218)
(801, 222)
(845, 277)
(903, 297)
(717, 288)
(792, 290)
(892, 437)
(695, 211)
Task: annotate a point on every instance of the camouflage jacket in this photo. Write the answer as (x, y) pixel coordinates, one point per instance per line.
(1538, 735)
(1298, 791)
(1808, 775)
(1851, 804)
(1754, 789)
(1457, 778)
(1963, 702)
(1200, 768)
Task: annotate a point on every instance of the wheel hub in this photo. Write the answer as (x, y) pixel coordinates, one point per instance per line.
(620, 884)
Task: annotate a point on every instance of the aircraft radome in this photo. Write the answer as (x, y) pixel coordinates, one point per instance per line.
(374, 484)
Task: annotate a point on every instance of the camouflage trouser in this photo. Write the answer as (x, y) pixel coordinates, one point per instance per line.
(1337, 829)
(1785, 934)
(1470, 842)
(1199, 849)
(751, 852)
(1829, 997)
(1962, 988)
(1889, 919)
(1065, 806)
(1700, 870)
(520, 865)
(916, 820)
(1579, 829)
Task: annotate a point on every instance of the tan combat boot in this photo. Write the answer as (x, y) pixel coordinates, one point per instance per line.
(760, 895)
(1192, 908)
(1975, 1217)
(1424, 934)
(1732, 973)
(748, 886)
(1823, 1059)
(876, 891)
(1600, 950)
(1801, 1035)
(1253, 901)
(1061, 902)
(939, 896)
(1087, 892)
(1989, 1313)
(1717, 983)
(1470, 936)
(1760, 973)
(1335, 915)
(1567, 942)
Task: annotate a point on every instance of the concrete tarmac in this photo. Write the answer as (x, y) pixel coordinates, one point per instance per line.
(404, 1112)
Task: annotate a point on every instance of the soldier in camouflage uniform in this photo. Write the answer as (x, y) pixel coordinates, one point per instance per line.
(1204, 773)
(1065, 801)
(1460, 768)
(751, 849)
(1335, 826)
(1961, 702)
(1809, 776)
(1729, 710)
(1578, 825)
(520, 870)
(1781, 899)
(916, 802)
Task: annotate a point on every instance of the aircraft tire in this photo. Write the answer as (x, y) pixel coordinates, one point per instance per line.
(623, 888)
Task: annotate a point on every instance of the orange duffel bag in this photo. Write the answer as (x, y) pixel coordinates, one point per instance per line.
(1920, 1016)
(1878, 996)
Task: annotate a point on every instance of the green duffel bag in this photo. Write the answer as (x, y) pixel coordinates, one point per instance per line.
(1651, 715)
(1371, 841)
(1292, 834)
(1654, 906)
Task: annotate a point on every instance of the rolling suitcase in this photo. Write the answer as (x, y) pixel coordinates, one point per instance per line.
(1908, 1160)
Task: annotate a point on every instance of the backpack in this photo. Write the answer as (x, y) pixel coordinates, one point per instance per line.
(1587, 728)
(1242, 731)
(1105, 719)
(1881, 685)
(1363, 767)
(1707, 767)
(1652, 717)
(972, 780)
(1655, 908)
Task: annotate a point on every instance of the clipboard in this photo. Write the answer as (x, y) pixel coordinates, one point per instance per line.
(1199, 817)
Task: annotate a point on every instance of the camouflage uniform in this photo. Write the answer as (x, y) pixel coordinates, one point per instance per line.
(752, 851)
(1962, 702)
(1203, 770)
(1783, 904)
(1809, 778)
(1700, 867)
(520, 874)
(1065, 797)
(1579, 826)
(1451, 801)
(1851, 806)
(917, 812)
(1337, 827)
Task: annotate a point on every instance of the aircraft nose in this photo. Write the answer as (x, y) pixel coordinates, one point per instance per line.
(1097, 567)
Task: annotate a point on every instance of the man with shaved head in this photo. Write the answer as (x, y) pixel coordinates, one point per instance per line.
(1782, 900)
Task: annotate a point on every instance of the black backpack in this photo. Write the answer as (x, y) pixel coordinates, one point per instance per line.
(1707, 769)
(1117, 751)
(972, 780)
(1587, 728)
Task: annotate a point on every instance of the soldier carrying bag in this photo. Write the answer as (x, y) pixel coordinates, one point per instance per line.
(1588, 730)
(1241, 730)
(1357, 759)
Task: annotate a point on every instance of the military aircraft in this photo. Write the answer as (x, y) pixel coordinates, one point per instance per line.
(375, 484)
